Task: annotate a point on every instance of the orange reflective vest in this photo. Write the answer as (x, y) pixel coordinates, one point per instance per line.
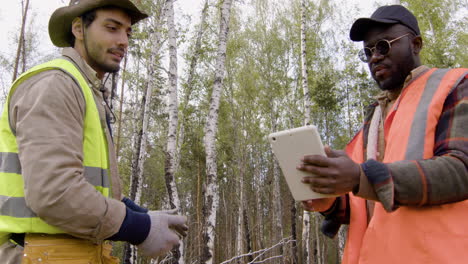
(433, 234)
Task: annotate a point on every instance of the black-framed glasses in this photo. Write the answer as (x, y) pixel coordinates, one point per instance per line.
(382, 46)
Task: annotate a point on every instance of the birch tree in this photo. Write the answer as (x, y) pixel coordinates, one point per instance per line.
(173, 108)
(212, 196)
(305, 88)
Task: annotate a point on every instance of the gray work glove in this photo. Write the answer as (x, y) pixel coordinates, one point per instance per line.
(166, 229)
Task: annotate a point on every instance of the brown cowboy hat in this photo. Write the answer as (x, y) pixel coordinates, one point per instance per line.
(61, 20)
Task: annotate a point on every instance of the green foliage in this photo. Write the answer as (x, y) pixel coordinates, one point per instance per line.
(443, 26)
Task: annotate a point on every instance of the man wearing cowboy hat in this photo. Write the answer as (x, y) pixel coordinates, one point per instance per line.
(60, 195)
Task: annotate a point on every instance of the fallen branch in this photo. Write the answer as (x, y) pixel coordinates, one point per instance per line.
(267, 259)
(261, 252)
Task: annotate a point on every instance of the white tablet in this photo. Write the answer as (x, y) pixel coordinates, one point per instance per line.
(289, 146)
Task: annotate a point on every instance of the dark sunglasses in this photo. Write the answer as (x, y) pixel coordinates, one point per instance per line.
(382, 46)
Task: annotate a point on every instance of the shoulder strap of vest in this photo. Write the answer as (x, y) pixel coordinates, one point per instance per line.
(57, 64)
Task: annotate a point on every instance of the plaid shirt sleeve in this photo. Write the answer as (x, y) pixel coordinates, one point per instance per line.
(445, 175)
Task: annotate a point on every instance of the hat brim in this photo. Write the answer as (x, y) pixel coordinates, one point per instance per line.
(363, 25)
(61, 20)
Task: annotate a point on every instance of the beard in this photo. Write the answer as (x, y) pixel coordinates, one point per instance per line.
(97, 57)
(396, 81)
(102, 65)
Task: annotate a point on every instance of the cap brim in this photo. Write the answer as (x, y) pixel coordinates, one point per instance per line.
(362, 26)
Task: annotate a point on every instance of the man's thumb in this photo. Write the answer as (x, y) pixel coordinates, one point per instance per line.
(331, 153)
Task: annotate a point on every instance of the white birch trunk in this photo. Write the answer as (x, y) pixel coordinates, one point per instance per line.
(277, 208)
(240, 219)
(318, 247)
(342, 240)
(305, 83)
(173, 108)
(212, 195)
(305, 87)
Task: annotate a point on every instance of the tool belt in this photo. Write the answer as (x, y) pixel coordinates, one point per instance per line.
(65, 249)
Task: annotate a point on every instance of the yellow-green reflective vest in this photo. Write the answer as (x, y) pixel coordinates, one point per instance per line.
(15, 215)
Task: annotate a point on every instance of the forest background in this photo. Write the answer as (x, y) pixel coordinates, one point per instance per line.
(205, 83)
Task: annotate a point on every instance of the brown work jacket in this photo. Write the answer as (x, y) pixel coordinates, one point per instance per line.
(47, 115)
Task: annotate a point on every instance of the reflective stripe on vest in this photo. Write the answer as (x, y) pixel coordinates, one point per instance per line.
(15, 215)
(433, 234)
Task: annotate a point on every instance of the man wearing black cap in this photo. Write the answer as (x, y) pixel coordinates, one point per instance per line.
(60, 195)
(403, 179)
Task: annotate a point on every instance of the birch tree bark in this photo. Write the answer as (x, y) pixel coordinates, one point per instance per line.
(173, 108)
(21, 40)
(277, 208)
(304, 72)
(342, 240)
(211, 127)
(307, 103)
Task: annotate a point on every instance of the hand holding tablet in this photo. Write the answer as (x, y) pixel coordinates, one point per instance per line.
(289, 147)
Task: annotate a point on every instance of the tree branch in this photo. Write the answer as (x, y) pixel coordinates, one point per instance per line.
(261, 252)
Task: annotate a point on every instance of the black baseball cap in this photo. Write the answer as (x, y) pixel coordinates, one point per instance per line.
(391, 14)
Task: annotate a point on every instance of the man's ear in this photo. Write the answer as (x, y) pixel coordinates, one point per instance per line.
(417, 43)
(77, 28)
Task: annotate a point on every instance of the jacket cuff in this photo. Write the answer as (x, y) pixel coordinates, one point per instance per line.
(134, 229)
(365, 189)
(337, 215)
(111, 220)
(133, 206)
(381, 180)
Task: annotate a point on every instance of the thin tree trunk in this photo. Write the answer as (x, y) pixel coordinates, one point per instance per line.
(293, 231)
(277, 208)
(248, 239)
(318, 246)
(305, 82)
(307, 103)
(341, 241)
(21, 39)
(212, 195)
(200, 238)
(119, 123)
(240, 219)
(23, 55)
(173, 108)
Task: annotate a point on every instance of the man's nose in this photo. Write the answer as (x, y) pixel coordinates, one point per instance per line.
(123, 40)
(376, 56)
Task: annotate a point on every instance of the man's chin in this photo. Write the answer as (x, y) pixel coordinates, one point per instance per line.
(111, 68)
(388, 85)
